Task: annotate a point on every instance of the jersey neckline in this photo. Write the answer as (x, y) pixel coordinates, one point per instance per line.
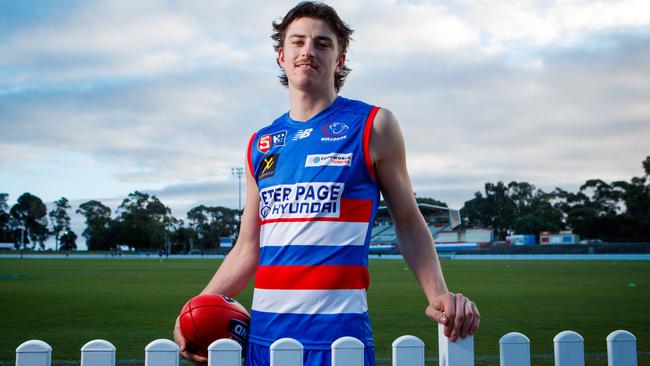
(318, 117)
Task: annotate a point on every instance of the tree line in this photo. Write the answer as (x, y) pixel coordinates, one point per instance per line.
(615, 211)
(141, 222)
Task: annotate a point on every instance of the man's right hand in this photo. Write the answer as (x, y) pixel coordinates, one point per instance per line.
(182, 344)
(457, 313)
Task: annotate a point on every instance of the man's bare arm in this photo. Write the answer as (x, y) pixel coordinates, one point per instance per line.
(456, 312)
(238, 268)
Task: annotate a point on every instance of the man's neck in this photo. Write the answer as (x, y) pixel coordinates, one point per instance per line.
(306, 104)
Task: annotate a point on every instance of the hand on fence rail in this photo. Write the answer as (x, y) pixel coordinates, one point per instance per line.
(457, 313)
(184, 351)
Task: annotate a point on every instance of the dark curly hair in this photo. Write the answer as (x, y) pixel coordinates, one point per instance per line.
(324, 12)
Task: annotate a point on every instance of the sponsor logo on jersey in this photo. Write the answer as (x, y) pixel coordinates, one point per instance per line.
(301, 200)
(331, 159)
(302, 134)
(271, 140)
(335, 131)
(267, 166)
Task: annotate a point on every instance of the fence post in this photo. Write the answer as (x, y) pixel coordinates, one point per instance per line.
(569, 349)
(286, 352)
(347, 351)
(98, 353)
(459, 353)
(621, 348)
(34, 353)
(224, 352)
(514, 350)
(408, 351)
(161, 352)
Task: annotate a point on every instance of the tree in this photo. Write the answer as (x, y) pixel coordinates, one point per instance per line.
(6, 234)
(534, 209)
(430, 201)
(29, 213)
(143, 221)
(60, 219)
(181, 237)
(211, 223)
(68, 240)
(601, 197)
(518, 207)
(99, 233)
(611, 211)
(495, 210)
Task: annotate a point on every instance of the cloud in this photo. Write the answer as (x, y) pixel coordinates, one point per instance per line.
(98, 99)
(113, 39)
(581, 115)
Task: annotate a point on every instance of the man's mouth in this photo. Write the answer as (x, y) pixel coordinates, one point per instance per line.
(306, 65)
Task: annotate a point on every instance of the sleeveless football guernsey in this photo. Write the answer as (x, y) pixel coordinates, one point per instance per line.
(318, 199)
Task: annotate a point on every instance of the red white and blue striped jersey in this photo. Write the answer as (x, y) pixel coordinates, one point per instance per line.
(318, 199)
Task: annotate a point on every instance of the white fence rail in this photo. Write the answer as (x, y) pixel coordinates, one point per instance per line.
(348, 351)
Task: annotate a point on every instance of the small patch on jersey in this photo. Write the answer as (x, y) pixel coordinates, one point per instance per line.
(267, 166)
(334, 131)
(331, 159)
(301, 200)
(302, 134)
(271, 140)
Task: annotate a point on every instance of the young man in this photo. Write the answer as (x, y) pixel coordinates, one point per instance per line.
(313, 182)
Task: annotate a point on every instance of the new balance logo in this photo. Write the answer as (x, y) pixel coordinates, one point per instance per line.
(301, 134)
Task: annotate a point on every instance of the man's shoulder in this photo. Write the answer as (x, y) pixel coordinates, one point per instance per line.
(275, 125)
(354, 105)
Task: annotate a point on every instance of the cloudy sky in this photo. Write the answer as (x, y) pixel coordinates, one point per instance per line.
(102, 98)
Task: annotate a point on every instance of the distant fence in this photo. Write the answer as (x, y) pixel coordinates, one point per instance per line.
(348, 351)
(446, 256)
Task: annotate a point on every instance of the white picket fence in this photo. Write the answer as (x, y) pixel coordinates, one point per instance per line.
(348, 351)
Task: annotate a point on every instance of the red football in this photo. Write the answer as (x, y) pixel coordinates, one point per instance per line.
(206, 318)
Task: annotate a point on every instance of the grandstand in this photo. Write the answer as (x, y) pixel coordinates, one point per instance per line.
(438, 218)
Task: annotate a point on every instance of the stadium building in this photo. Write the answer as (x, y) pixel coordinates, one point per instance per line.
(438, 218)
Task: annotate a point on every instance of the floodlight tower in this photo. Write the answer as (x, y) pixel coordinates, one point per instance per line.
(238, 171)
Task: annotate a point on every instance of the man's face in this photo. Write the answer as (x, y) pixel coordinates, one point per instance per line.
(310, 55)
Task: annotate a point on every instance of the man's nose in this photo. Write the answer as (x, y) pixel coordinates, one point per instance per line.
(308, 49)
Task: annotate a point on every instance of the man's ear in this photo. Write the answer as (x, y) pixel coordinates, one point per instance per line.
(341, 62)
(281, 57)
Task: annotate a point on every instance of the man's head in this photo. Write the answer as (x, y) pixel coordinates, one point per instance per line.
(328, 15)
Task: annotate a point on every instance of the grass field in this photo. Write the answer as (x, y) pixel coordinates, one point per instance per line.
(131, 302)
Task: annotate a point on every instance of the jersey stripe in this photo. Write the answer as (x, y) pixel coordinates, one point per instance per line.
(310, 301)
(352, 210)
(249, 154)
(313, 233)
(366, 140)
(315, 331)
(295, 255)
(312, 277)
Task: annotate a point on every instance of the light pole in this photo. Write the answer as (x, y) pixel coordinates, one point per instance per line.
(238, 171)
